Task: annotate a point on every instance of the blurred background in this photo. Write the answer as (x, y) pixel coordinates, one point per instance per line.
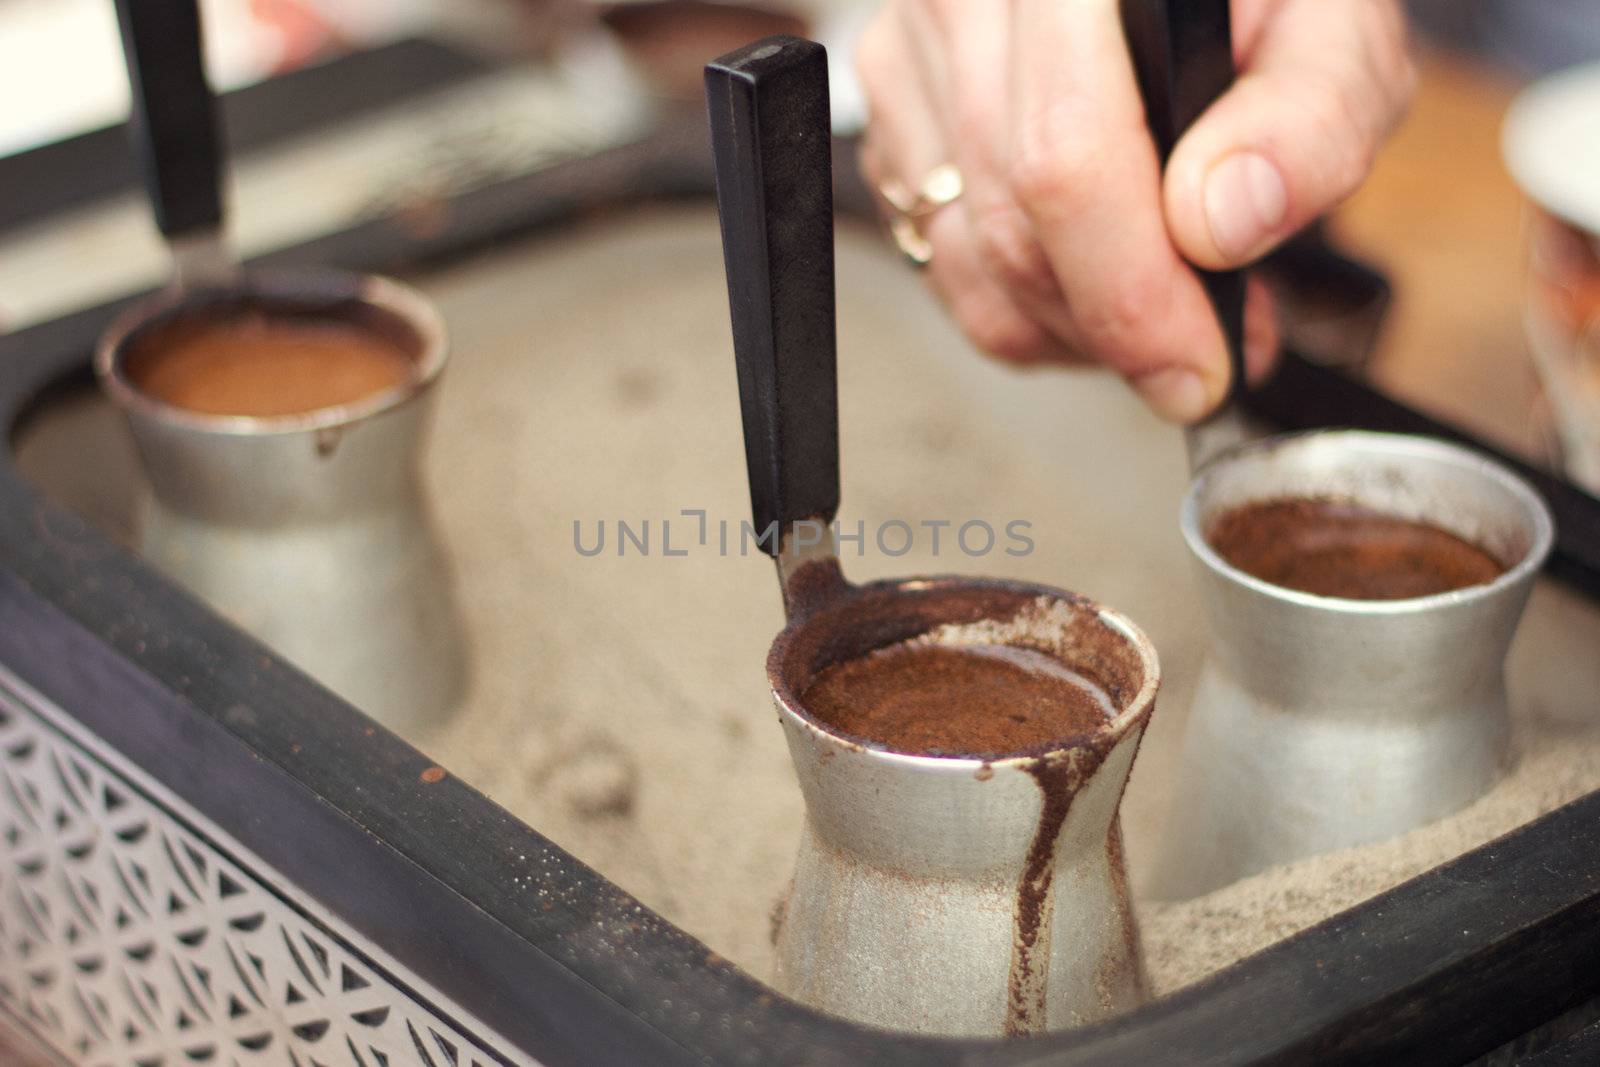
(60, 67)
(1466, 336)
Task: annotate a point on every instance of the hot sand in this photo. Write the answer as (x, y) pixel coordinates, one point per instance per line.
(596, 672)
(619, 704)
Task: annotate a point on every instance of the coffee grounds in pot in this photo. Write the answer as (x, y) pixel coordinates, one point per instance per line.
(938, 699)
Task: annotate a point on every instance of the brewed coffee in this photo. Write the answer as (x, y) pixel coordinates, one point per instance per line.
(264, 365)
(1336, 548)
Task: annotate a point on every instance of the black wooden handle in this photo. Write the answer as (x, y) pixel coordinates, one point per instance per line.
(772, 142)
(1183, 58)
(174, 120)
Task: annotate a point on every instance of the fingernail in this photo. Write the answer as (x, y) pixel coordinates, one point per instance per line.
(1245, 204)
(1176, 394)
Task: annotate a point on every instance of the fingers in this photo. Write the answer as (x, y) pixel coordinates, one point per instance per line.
(1085, 172)
(907, 80)
(976, 100)
(986, 312)
(904, 138)
(1058, 250)
(1323, 84)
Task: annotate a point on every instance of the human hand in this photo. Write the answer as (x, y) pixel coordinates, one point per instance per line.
(1068, 244)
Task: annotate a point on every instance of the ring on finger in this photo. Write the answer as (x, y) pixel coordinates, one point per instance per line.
(939, 188)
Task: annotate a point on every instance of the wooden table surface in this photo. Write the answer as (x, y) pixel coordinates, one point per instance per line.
(1441, 216)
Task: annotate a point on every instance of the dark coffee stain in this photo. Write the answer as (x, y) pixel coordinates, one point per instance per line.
(778, 916)
(814, 586)
(636, 388)
(1025, 992)
(938, 436)
(327, 440)
(1128, 970)
(1059, 778)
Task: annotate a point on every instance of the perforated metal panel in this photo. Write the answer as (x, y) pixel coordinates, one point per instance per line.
(132, 934)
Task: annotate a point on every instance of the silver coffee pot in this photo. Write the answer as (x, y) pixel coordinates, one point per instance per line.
(311, 531)
(962, 896)
(1323, 722)
(939, 894)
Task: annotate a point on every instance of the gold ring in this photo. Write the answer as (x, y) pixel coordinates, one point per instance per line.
(941, 186)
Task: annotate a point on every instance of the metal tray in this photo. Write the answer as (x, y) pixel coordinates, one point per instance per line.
(208, 857)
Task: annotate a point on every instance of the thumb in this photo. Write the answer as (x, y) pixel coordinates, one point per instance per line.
(1293, 136)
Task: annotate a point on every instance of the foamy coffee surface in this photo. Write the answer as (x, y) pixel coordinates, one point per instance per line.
(929, 698)
(257, 363)
(1338, 548)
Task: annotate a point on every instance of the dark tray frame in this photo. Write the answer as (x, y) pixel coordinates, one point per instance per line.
(1450, 966)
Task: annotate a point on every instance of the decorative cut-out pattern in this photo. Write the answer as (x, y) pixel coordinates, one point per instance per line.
(126, 940)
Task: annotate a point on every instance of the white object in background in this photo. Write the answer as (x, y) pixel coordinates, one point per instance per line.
(64, 60)
(1551, 145)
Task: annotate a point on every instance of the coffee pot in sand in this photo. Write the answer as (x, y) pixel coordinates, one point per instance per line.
(1322, 722)
(962, 892)
(310, 528)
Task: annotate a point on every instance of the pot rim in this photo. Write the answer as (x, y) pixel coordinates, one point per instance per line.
(1135, 710)
(386, 294)
(1541, 525)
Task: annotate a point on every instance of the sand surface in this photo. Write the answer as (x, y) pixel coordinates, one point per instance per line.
(619, 703)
